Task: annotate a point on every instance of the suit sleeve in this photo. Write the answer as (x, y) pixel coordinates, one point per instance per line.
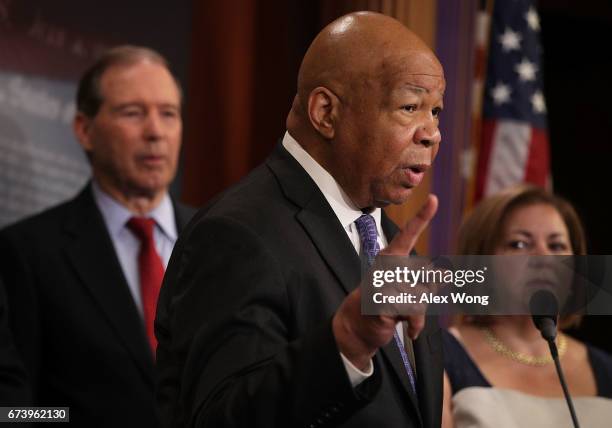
(227, 314)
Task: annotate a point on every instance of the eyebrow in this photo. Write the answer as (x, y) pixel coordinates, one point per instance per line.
(140, 105)
(528, 234)
(414, 88)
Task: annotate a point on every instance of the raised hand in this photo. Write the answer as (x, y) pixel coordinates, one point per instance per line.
(359, 336)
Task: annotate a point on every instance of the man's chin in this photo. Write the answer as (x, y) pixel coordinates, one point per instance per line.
(397, 198)
(149, 188)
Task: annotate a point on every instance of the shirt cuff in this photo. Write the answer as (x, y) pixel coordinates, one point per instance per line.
(355, 375)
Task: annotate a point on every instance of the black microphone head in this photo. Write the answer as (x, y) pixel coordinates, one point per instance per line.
(544, 303)
(544, 311)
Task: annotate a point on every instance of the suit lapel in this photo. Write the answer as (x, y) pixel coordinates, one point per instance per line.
(182, 214)
(91, 253)
(392, 354)
(332, 243)
(429, 360)
(388, 227)
(331, 240)
(317, 218)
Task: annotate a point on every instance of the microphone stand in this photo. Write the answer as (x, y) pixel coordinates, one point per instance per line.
(555, 355)
(548, 329)
(544, 309)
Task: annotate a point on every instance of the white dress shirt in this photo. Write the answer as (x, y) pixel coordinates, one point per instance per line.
(126, 244)
(347, 213)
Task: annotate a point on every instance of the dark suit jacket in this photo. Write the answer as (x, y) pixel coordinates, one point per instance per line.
(14, 385)
(73, 317)
(244, 318)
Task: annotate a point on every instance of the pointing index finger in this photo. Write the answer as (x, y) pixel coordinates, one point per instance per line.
(405, 240)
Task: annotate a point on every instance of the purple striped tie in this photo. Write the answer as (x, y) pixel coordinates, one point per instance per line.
(366, 226)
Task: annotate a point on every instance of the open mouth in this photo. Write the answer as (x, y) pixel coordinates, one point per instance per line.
(415, 173)
(419, 168)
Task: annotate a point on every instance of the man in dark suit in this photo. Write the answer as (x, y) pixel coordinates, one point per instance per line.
(82, 278)
(259, 321)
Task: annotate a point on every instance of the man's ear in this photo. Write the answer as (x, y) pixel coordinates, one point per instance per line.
(81, 126)
(323, 107)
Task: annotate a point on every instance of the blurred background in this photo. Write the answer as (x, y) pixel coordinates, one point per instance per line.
(238, 62)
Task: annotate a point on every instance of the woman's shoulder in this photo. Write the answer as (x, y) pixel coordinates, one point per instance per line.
(601, 363)
(461, 369)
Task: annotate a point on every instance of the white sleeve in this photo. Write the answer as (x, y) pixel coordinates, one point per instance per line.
(355, 375)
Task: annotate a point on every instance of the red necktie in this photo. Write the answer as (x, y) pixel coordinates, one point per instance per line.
(151, 272)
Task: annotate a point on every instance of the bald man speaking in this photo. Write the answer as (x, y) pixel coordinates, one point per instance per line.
(259, 321)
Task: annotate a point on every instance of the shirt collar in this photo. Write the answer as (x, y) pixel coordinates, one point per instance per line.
(116, 215)
(341, 204)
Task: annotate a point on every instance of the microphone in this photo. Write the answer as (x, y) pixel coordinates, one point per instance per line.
(544, 312)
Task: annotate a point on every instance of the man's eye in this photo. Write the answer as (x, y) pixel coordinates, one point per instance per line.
(169, 113)
(131, 113)
(436, 111)
(410, 108)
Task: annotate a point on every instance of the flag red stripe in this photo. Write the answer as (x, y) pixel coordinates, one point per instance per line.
(538, 161)
(484, 154)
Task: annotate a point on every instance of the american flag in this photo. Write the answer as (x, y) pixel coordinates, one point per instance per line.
(514, 141)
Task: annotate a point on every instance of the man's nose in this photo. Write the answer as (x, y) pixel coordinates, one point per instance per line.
(428, 134)
(153, 129)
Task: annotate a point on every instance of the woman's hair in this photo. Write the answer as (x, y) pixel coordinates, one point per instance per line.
(482, 231)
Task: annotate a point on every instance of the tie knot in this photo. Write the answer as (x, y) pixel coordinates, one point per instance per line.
(368, 235)
(366, 222)
(142, 227)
